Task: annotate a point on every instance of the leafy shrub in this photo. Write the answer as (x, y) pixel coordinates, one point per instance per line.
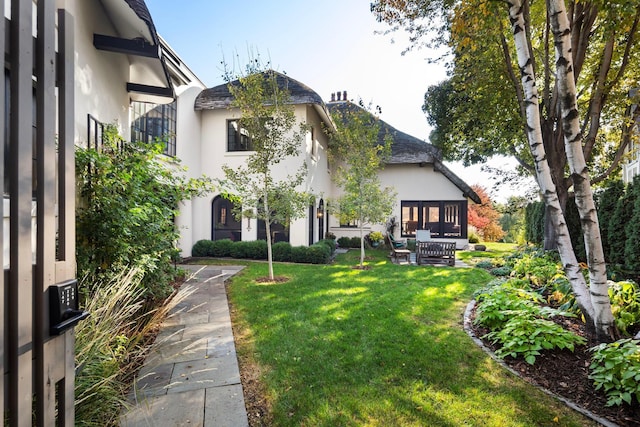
(560, 293)
(281, 251)
(344, 242)
(538, 269)
(485, 263)
(257, 249)
(202, 248)
(525, 334)
(625, 304)
(221, 248)
(615, 367)
(240, 250)
(125, 220)
(299, 254)
(497, 304)
(331, 243)
(501, 271)
(474, 238)
(318, 253)
(329, 236)
(355, 242)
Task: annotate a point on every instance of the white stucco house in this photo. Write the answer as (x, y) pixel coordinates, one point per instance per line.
(430, 196)
(127, 75)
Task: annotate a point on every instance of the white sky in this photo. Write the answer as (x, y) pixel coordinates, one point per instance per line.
(329, 45)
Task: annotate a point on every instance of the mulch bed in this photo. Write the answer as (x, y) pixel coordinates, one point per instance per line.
(566, 374)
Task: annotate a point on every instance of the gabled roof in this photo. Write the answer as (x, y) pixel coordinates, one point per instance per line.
(407, 149)
(149, 79)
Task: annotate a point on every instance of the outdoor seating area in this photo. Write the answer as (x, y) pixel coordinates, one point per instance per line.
(427, 251)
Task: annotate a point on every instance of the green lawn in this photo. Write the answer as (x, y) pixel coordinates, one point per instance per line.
(380, 347)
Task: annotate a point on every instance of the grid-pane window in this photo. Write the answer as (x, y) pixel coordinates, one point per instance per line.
(155, 122)
(238, 138)
(441, 218)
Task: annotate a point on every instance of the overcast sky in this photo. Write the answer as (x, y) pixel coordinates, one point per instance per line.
(329, 45)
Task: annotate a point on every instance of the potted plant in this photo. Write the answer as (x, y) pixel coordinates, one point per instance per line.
(376, 237)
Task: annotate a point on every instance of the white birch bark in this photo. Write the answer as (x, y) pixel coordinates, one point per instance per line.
(543, 173)
(602, 315)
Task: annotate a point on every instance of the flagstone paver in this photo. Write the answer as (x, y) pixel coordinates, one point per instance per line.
(191, 375)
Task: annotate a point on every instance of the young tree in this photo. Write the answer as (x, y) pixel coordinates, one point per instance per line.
(359, 149)
(268, 117)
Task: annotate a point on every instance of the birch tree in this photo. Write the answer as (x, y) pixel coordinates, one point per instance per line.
(569, 135)
(268, 118)
(359, 148)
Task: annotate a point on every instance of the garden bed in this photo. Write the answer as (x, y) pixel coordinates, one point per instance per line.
(566, 374)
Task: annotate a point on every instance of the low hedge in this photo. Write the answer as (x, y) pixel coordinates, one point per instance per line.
(318, 253)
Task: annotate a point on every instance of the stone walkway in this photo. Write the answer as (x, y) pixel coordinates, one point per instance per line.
(191, 375)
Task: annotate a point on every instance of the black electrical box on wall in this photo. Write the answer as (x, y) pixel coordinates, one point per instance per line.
(63, 306)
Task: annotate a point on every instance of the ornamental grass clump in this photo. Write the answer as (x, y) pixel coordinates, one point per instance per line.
(110, 343)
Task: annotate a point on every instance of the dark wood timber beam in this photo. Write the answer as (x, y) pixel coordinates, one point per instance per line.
(138, 47)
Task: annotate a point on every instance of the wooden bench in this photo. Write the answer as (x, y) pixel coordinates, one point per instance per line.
(434, 252)
(398, 252)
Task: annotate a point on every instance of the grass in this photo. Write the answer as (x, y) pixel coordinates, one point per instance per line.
(494, 251)
(337, 346)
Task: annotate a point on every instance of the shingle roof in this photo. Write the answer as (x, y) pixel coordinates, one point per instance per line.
(219, 96)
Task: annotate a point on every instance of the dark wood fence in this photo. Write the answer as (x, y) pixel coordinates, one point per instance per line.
(38, 366)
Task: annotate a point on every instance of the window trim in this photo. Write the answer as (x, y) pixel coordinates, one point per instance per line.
(442, 215)
(238, 143)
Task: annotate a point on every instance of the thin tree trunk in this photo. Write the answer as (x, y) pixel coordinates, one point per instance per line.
(267, 226)
(543, 172)
(602, 315)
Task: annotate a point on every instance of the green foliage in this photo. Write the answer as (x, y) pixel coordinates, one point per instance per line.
(615, 368)
(202, 248)
(632, 230)
(519, 323)
(109, 342)
(281, 251)
(505, 270)
(625, 305)
(129, 197)
(538, 269)
(534, 222)
(256, 249)
(617, 235)
(344, 242)
(474, 238)
(497, 303)
(526, 334)
(606, 203)
(221, 248)
(331, 243)
(262, 96)
(485, 263)
(359, 152)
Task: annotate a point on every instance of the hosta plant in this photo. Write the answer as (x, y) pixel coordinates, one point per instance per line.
(615, 368)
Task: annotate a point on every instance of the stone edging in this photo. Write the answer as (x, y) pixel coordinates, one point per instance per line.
(469, 330)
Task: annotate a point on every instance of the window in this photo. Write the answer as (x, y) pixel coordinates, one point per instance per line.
(238, 138)
(153, 122)
(348, 224)
(443, 219)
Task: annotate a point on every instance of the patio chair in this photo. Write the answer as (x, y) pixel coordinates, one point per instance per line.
(395, 243)
(398, 252)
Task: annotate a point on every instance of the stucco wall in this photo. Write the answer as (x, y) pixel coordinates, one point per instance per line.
(100, 76)
(214, 154)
